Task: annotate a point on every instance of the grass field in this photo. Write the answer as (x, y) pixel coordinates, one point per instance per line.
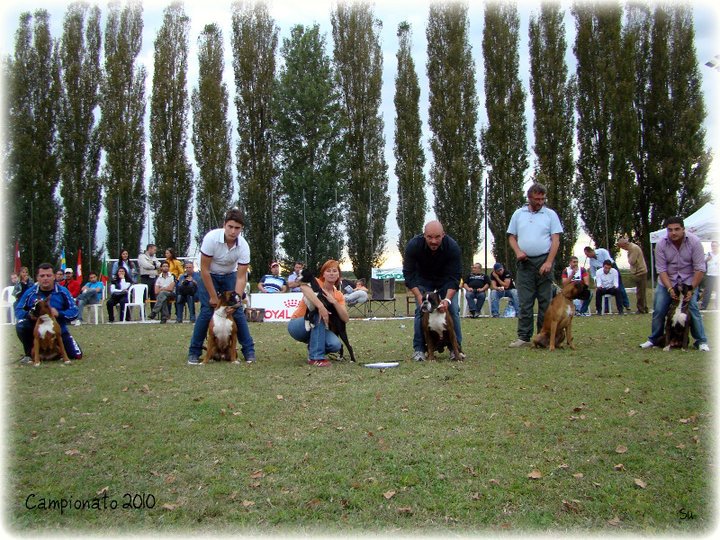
(605, 439)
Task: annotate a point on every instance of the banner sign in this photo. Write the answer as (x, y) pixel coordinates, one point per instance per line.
(387, 273)
(278, 306)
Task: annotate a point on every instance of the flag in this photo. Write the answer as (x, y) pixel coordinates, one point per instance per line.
(104, 276)
(79, 266)
(63, 266)
(18, 264)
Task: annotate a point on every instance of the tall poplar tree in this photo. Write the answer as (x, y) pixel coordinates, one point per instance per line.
(171, 183)
(122, 129)
(254, 42)
(358, 67)
(409, 154)
(553, 103)
(211, 134)
(456, 171)
(675, 159)
(606, 124)
(33, 90)
(78, 132)
(308, 134)
(504, 142)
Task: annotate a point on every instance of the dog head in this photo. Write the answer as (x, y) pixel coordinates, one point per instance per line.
(430, 302)
(40, 308)
(229, 299)
(576, 290)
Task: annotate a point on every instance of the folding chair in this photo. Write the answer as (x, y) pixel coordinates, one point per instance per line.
(136, 298)
(6, 303)
(382, 293)
(98, 310)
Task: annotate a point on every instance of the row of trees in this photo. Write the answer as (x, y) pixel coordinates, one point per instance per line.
(619, 143)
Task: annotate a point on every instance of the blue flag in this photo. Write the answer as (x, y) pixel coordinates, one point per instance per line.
(62, 260)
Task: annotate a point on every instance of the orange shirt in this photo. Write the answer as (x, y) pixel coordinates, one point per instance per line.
(302, 307)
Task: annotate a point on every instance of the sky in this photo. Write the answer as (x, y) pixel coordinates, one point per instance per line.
(288, 13)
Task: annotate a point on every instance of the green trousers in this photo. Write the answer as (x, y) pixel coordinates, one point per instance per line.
(531, 286)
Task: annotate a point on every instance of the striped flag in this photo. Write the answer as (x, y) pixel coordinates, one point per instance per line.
(63, 265)
(18, 264)
(79, 266)
(104, 276)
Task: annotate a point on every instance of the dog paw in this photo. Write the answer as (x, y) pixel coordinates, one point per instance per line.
(666, 349)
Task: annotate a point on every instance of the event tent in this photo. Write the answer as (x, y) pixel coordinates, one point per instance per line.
(703, 224)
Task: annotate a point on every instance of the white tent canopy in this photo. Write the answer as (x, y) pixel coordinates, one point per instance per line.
(703, 224)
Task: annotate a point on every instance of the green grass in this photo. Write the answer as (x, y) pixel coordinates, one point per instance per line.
(441, 447)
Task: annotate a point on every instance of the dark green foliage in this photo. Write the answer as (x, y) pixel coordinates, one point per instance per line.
(409, 153)
(254, 42)
(308, 136)
(358, 68)
(211, 134)
(33, 91)
(606, 125)
(122, 129)
(171, 183)
(553, 102)
(456, 171)
(78, 134)
(504, 140)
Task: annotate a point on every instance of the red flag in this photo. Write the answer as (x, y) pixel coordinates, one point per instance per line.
(79, 265)
(18, 264)
(104, 277)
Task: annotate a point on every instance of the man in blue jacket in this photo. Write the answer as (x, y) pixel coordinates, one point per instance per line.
(63, 309)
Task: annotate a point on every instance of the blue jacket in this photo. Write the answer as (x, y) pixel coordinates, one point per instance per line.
(60, 299)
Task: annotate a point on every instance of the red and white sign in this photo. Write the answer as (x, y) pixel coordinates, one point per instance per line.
(277, 306)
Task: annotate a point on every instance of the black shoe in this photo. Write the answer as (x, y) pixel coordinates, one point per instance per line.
(152, 315)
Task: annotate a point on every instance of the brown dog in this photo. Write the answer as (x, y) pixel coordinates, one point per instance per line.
(559, 315)
(47, 342)
(438, 328)
(222, 331)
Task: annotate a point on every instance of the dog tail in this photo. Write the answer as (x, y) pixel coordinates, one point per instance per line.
(679, 317)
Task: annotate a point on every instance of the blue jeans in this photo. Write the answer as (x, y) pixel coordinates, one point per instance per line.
(581, 306)
(475, 300)
(320, 340)
(222, 283)
(495, 297)
(180, 302)
(661, 304)
(419, 337)
(25, 329)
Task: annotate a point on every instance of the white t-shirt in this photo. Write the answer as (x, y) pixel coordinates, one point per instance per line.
(713, 265)
(224, 260)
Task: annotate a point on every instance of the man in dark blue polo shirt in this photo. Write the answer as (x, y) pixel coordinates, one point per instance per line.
(432, 262)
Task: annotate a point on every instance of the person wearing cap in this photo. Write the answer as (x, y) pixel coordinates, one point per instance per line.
(70, 283)
(502, 286)
(273, 282)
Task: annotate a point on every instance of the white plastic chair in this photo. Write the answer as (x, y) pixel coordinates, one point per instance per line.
(97, 308)
(136, 298)
(6, 303)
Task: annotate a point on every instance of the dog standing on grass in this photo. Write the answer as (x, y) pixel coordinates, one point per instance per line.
(438, 328)
(557, 325)
(222, 330)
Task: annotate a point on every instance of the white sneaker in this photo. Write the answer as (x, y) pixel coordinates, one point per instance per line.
(647, 345)
(419, 356)
(77, 322)
(704, 347)
(519, 343)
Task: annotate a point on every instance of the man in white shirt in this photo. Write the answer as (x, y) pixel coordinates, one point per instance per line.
(712, 260)
(608, 284)
(224, 260)
(164, 291)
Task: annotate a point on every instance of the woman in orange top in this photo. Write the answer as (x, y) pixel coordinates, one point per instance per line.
(320, 340)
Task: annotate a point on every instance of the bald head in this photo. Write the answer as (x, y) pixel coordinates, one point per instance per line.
(433, 234)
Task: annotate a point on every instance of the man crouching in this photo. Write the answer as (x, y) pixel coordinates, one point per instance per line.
(62, 306)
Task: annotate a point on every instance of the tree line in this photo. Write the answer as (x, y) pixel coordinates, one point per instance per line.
(619, 143)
